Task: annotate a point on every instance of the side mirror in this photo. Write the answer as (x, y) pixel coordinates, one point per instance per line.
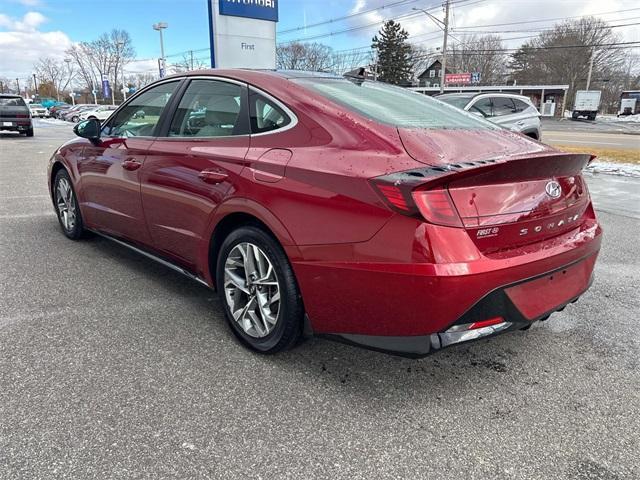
(89, 129)
(477, 113)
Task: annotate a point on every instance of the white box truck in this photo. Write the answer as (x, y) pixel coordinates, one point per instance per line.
(586, 104)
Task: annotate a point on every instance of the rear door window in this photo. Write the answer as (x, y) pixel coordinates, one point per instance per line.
(210, 108)
(520, 105)
(503, 106)
(484, 106)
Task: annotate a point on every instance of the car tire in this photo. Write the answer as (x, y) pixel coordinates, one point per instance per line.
(66, 206)
(29, 133)
(75, 119)
(249, 310)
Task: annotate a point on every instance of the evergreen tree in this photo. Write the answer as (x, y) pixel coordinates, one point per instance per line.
(394, 53)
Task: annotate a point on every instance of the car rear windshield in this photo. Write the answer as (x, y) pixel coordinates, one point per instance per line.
(459, 101)
(12, 102)
(393, 105)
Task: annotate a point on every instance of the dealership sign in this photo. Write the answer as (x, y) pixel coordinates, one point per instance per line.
(259, 9)
(242, 33)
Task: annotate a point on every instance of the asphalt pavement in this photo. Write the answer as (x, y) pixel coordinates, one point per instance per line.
(112, 366)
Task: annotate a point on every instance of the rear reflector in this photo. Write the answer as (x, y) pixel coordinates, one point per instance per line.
(486, 323)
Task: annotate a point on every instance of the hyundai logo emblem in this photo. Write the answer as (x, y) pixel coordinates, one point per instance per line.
(553, 189)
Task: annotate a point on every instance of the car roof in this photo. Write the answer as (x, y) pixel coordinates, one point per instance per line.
(471, 95)
(9, 95)
(248, 75)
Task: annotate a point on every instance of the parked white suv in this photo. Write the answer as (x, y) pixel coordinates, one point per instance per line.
(514, 112)
(101, 113)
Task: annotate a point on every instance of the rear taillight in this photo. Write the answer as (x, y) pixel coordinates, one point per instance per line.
(21, 115)
(408, 193)
(437, 207)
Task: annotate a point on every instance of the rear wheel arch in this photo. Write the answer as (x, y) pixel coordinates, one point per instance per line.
(225, 226)
(57, 166)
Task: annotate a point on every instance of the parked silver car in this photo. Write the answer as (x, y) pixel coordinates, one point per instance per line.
(514, 112)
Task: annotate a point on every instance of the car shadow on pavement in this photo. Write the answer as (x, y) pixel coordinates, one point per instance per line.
(351, 370)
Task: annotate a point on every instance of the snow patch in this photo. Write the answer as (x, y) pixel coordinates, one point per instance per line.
(622, 169)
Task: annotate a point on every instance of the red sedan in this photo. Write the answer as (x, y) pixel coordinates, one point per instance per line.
(335, 206)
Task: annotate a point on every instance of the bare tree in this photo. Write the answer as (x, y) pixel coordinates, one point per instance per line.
(304, 56)
(107, 55)
(139, 80)
(479, 53)
(562, 55)
(56, 73)
(188, 62)
(343, 62)
(122, 52)
(81, 56)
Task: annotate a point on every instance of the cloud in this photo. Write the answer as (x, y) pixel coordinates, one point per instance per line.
(23, 44)
(425, 33)
(29, 23)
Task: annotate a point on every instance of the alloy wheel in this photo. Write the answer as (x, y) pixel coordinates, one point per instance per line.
(66, 203)
(251, 288)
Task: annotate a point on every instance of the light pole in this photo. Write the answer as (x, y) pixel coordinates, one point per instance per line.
(68, 62)
(159, 27)
(445, 27)
(119, 46)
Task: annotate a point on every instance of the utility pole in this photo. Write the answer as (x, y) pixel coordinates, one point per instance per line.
(18, 83)
(35, 83)
(444, 26)
(375, 65)
(444, 46)
(593, 54)
(191, 55)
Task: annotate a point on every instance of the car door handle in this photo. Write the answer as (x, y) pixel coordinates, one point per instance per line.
(521, 122)
(131, 165)
(212, 176)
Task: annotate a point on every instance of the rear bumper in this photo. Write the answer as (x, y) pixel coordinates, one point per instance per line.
(15, 125)
(517, 306)
(396, 303)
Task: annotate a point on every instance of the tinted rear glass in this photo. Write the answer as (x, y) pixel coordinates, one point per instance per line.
(12, 102)
(394, 105)
(459, 101)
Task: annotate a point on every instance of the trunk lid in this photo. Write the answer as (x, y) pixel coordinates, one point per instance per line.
(508, 190)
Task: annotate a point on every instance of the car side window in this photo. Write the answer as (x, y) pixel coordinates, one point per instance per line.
(265, 114)
(209, 108)
(140, 116)
(503, 106)
(520, 105)
(484, 106)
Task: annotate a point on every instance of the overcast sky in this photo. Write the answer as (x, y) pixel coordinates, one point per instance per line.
(30, 29)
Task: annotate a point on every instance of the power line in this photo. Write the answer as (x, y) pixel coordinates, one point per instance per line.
(539, 30)
(345, 17)
(548, 19)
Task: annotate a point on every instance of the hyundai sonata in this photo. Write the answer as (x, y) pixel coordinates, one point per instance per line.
(333, 206)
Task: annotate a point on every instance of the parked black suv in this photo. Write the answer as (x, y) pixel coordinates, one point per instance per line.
(15, 114)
